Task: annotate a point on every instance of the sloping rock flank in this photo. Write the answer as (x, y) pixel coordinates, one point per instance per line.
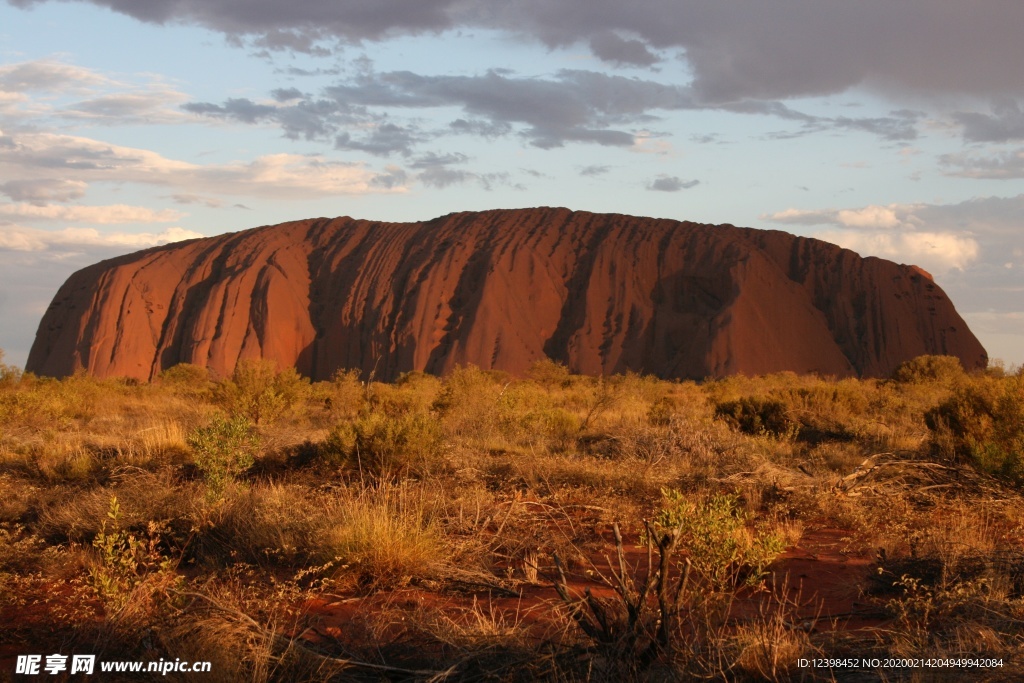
(500, 289)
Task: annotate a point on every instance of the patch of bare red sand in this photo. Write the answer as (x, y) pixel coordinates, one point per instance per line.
(822, 575)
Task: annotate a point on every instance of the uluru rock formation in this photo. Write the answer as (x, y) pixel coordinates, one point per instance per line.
(500, 289)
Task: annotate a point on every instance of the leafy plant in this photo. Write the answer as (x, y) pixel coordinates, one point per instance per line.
(259, 392)
(983, 422)
(123, 560)
(715, 534)
(223, 449)
(929, 369)
(9, 374)
(758, 416)
(390, 444)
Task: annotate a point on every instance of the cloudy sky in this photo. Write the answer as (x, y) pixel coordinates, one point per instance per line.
(894, 129)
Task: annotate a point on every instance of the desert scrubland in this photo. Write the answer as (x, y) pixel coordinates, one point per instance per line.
(486, 527)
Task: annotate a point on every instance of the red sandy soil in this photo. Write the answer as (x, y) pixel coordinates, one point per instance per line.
(821, 575)
(602, 293)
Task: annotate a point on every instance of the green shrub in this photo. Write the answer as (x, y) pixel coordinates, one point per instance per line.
(343, 397)
(9, 374)
(123, 561)
(186, 377)
(223, 449)
(339, 448)
(549, 374)
(715, 535)
(983, 422)
(259, 392)
(929, 369)
(469, 404)
(561, 429)
(386, 445)
(412, 392)
(758, 416)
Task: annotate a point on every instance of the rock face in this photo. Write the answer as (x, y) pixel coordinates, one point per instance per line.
(500, 289)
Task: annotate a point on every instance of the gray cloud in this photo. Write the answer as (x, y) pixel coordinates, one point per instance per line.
(308, 118)
(286, 94)
(572, 106)
(671, 184)
(297, 25)
(737, 50)
(485, 129)
(610, 47)
(1006, 122)
(384, 140)
(237, 108)
(392, 178)
(43, 190)
(433, 160)
(900, 126)
(189, 198)
(997, 165)
(435, 170)
(594, 170)
(442, 176)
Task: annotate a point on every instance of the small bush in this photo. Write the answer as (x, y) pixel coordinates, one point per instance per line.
(929, 369)
(758, 416)
(343, 397)
(549, 374)
(715, 534)
(469, 403)
(983, 422)
(385, 445)
(259, 392)
(223, 449)
(561, 428)
(661, 411)
(192, 378)
(9, 374)
(124, 561)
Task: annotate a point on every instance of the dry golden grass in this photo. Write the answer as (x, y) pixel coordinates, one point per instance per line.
(466, 487)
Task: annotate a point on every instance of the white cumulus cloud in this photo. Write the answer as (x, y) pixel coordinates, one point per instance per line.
(275, 176)
(936, 252)
(21, 238)
(116, 213)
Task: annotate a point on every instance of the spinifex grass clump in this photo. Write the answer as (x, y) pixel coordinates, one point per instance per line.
(384, 536)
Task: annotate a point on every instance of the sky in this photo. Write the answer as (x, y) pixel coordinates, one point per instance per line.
(893, 129)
